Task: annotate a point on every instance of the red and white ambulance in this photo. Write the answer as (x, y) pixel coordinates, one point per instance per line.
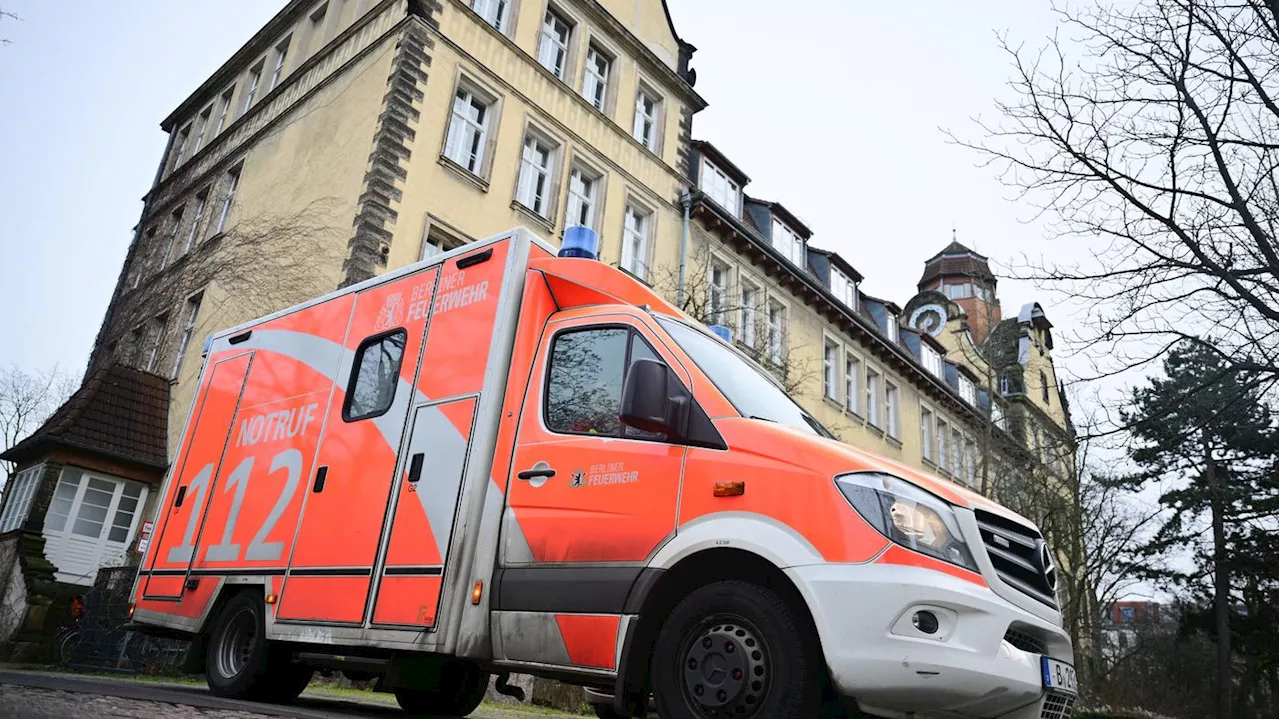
(499, 460)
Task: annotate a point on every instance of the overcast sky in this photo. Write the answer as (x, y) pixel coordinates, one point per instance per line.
(834, 111)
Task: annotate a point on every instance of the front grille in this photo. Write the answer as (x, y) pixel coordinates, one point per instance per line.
(1057, 706)
(1014, 550)
(1026, 641)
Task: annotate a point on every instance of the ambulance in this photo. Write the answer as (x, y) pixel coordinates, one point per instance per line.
(506, 459)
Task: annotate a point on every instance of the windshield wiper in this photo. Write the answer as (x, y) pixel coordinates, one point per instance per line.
(763, 419)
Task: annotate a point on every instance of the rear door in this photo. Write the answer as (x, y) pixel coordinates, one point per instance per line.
(183, 510)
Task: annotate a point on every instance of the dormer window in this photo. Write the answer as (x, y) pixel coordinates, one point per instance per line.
(716, 184)
(844, 288)
(786, 241)
(968, 392)
(931, 360)
(891, 328)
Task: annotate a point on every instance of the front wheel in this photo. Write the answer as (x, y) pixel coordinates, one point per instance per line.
(241, 663)
(736, 649)
(459, 690)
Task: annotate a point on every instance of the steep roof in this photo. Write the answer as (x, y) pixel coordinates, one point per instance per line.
(956, 260)
(119, 412)
(1001, 348)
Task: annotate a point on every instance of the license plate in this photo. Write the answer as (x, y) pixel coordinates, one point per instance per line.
(1058, 676)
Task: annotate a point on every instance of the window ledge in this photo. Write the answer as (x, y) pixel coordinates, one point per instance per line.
(852, 414)
(875, 429)
(893, 441)
(533, 215)
(833, 402)
(481, 183)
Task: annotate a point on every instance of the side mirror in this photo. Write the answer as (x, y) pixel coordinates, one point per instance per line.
(654, 400)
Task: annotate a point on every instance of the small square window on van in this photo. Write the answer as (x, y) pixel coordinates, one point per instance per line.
(374, 376)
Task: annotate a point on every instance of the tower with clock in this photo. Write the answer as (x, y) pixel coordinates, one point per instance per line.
(957, 283)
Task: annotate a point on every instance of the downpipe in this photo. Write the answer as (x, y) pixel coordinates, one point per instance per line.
(686, 202)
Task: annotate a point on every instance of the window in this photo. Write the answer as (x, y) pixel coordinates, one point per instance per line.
(1044, 387)
(968, 392)
(233, 182)
(282, 53)
(189, 313)
(251, 88)
(315, 30)
(645, 126)
(717, 185)
(595, 77)
(21, 492)
(717, 292)
(533, 189)
(175, 224)
(844, 289)
(202, 200)
(957, 444)
(971, 463)
(375, 375)
(583, 186)
(468, 130)
(494, 12)
(635, 240)
(873, 397)
(891, 409)
(224, 108)
(553, 46)
(585, 380)
(926, 432)
(180, 145)
(931, 360)
(958, 292)
(892, 328)
(941, 457)
(750, 303)
(156, 338)
(830, 369)
(997, 415)
(437, 241)
(852, 381)
(786, 241)
(777, 331)
(91, 517)
(202, 126)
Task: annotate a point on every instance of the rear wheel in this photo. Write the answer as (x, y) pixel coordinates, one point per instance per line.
(459, 689)
(241, 663)
(736, 649)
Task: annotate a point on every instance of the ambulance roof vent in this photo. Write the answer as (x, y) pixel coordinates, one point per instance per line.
(580, 242)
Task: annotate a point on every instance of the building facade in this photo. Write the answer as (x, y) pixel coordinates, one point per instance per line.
(350, 137)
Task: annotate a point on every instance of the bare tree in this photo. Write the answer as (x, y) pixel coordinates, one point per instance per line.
(6, 15)
(761, 342)
(258, 265)
(1158, 146)
(27, 399)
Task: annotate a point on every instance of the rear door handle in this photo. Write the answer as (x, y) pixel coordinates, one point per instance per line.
(415, 468)
(537, 472)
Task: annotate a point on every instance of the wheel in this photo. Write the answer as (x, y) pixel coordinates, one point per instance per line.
(606, 711)
(460, 687)
(241, 663)
(736, 649)
(64, 644)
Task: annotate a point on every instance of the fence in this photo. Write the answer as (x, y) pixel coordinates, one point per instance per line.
(100, 641)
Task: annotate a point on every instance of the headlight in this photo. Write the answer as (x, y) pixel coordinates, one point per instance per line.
(908, 516)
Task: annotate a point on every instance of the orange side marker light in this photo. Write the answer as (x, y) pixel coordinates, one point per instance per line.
(272, 599)
(730, 489)
(477, 591)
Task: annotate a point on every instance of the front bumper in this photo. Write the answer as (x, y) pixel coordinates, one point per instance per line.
(964, 669)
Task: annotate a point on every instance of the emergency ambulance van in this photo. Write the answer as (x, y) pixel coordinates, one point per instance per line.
(501, 460)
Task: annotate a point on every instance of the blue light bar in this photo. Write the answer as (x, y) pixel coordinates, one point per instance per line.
(580, 242)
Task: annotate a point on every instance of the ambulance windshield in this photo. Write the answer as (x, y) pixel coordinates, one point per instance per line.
(743, 383)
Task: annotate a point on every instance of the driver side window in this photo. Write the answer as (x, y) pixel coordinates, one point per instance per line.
(585, 380)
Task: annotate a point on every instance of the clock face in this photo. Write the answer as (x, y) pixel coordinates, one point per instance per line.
(929, 318)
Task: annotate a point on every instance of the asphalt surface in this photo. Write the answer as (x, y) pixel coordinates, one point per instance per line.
(47, 695)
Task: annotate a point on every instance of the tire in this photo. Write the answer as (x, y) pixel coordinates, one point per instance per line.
(606, 711)
(64, 644)
(736, 649)
(239, 661)
(461, 687)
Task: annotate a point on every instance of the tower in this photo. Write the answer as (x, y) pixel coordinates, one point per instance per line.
(962, 276)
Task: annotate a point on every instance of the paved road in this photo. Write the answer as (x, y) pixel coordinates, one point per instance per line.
(44, 695)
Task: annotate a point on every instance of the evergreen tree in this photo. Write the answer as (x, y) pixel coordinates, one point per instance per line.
(1208, 437)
